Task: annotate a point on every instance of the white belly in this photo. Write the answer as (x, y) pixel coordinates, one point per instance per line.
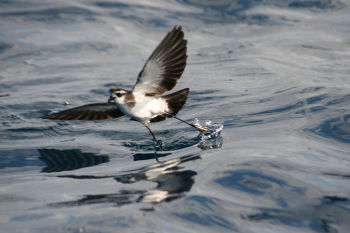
(145, 109)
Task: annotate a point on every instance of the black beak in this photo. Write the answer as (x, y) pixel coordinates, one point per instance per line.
(111, 100)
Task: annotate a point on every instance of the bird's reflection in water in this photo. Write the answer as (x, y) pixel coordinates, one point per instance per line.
(146, 156)
(172, 181)
(67, 160)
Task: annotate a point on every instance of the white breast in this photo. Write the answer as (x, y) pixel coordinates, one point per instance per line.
(145, 108)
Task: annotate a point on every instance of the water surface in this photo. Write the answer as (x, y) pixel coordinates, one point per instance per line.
(275, 74)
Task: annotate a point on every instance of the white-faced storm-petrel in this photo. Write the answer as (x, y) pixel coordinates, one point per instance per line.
(142, 103)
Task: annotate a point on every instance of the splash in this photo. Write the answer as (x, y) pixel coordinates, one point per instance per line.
(210, 138)
(213, 130)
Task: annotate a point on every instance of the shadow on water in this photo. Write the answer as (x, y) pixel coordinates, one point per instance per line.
(172, 182)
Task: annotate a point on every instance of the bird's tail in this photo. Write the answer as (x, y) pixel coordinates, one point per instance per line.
(176, 101)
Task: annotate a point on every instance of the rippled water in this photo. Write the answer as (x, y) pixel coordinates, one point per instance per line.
(275, 74)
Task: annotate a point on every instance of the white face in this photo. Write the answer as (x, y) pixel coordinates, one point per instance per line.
(117, 96)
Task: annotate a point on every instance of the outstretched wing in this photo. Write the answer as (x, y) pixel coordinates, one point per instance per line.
(89, 112)
(165, 65)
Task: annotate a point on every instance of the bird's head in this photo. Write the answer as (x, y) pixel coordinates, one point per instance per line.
(117, 95)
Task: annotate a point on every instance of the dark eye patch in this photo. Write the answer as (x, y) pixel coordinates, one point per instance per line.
(119, 94)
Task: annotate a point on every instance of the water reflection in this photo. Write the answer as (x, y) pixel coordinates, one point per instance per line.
(146, 156)
(67, 160)
(321, 217)
(336, 128)
(251, 181)
(172, 181)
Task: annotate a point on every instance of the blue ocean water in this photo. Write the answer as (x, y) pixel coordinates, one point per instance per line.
(274, 74)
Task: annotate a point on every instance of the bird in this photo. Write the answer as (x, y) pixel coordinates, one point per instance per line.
(145, 102)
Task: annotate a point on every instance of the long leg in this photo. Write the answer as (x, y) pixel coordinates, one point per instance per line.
(197, 127)
(155, 140)
(154, 137)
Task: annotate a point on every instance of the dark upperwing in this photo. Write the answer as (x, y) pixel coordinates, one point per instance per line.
(88, 112)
